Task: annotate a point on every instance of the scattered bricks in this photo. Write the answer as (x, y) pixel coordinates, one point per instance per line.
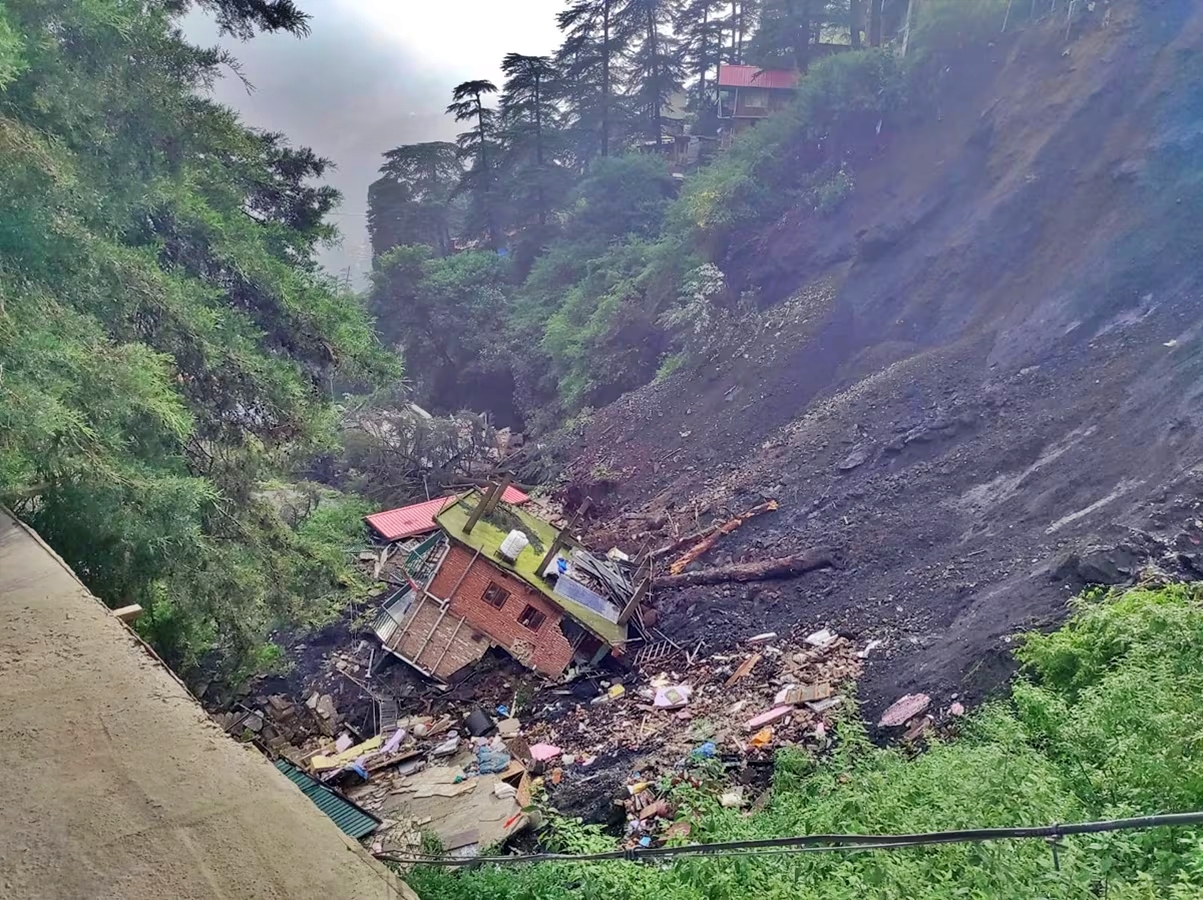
(797, 694)
(767, 718)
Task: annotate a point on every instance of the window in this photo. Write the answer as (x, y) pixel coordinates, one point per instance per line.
(495, 595)
(755, 99)
(532, 618)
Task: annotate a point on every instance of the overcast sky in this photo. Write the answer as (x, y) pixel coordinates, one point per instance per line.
(374, 74)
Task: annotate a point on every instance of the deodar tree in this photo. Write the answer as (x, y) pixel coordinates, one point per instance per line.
(411, 202)
(479, 151)
(589, 59)
(656, 68)
(167, 344)
(700, 29)
(533, 151)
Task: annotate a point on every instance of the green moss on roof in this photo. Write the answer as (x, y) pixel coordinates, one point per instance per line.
(486, 537)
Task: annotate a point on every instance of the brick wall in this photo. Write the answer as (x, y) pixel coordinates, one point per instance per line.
(546, 650)
(437, 642)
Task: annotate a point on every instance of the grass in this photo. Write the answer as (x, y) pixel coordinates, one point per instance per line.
(1106, 723)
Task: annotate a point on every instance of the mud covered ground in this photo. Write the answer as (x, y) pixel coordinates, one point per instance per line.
(981, 386)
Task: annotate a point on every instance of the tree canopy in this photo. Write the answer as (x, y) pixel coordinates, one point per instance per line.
(573, 176)
(167, 342)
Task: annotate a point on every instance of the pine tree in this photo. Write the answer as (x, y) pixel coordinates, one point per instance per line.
(787, 29)
(478, 148)
(656, 67)
(589, 59)
(411, 202)
(741, 24)
(241, 18)
(528, 120)
(700, 28)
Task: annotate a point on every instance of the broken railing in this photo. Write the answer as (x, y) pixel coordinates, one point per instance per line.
(417, 570)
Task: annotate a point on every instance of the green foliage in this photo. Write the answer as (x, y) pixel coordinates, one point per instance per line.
(621, 195)
(446, 314)
(831, 192)
(943, 25)
(700, 323)
(839, 104)
(599, 293)
(166, 339)
(11, 59)
(1107, 726)
(411, 203)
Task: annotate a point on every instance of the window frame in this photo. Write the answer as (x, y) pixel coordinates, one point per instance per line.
(537, 615)
(494, 586)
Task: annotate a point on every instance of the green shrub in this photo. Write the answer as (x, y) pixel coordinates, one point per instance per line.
(1109, 726)
(943, 25)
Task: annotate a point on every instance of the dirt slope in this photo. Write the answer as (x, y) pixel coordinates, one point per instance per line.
(988, 360)
(118, 785)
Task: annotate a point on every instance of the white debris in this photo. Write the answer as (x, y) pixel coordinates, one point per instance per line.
(821, 638)
(869, 648)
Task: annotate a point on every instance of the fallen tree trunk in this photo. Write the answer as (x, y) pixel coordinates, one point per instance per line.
(761, 570)
(698, 550)
(714, 531)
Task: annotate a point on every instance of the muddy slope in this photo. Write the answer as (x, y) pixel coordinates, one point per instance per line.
(982, 382)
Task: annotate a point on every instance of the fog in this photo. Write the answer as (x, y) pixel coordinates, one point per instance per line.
(372, 75)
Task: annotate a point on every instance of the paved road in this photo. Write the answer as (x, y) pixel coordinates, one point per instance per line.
(116, 784)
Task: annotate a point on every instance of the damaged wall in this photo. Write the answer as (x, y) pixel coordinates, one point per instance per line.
(437, 641)
(546, 650)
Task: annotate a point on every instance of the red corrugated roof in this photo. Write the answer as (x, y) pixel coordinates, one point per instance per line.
(754, 76)
(410, 521)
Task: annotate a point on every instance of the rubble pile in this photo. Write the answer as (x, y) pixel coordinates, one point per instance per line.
(603, 756)
(724, 699)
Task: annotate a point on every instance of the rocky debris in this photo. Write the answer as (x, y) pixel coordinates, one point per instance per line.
(904, 710)
(853, 460)
(1100, 565)
(629, 737)
(327, 715)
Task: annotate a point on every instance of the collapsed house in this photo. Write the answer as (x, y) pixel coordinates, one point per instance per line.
(491, 574)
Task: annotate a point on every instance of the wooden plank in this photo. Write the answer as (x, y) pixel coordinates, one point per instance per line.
(744, 670)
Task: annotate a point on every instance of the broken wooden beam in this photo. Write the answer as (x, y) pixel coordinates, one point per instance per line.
(744, 670)
(696, 551)
(504, 483)
(492, 494)
(564, 536)
(761, 570)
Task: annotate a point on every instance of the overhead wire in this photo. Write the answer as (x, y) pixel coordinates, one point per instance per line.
(818, 843)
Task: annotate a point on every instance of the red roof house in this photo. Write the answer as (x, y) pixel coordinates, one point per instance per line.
(418, 518)
(755, 77)
(547, 604)
(747, 94)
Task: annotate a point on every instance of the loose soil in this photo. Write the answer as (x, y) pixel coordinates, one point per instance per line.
(978, 382)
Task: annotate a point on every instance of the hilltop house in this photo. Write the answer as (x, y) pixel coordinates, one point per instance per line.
(494, 575)
(746, 94)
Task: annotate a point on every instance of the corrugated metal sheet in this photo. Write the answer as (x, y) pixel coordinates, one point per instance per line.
(754, 76)
(354, 821)
(418, 518)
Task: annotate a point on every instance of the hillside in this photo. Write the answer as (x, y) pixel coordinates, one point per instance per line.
(977, 381)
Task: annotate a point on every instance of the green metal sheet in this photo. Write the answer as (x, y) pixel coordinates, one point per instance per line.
(352, 819)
